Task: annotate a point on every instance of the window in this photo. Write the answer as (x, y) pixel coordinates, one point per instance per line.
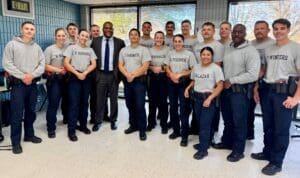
(123, 18)
(249, 12)
(160, 14)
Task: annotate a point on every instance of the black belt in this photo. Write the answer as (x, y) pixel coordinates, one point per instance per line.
(282, 88)
(202, 95)
(107, 72)
(15, 81)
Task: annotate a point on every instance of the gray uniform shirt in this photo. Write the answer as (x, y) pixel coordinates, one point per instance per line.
(21, 58)
(282, 61)
(134, 58)
(80, 57)
(217, 47)
(54, 55)
(147, 43)
(169, 42)
(207, 77)
(180, 61)
(241, 64)
(261, 47)
(158, 57)
(189, 43)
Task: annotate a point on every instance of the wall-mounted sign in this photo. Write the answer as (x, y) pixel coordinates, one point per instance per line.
(16, 5)
(18, 8)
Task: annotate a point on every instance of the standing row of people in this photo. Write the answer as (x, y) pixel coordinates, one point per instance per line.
(190, 75)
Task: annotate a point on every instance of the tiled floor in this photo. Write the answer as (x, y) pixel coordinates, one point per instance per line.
(109, 153)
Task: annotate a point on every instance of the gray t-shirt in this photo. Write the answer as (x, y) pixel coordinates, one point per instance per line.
(54, 55)
(180, 61)
(158, 57)
(189, 43)
(207, 77)
(217, 47)
(261, 48)
(147, 43)
(282, 61)
(134, 58)
(80, 57)
(169, 42)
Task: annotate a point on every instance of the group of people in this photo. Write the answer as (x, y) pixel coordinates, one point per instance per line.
(179, 74)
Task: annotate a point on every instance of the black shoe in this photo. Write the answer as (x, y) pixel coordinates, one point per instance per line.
(234, 157)
(33, 139)
(1, 137)
(184, 142)
(96, 127)
(164, 131)
(143, 136)
(200, 155)
(196, 146)
(17, 149)
(270, 169)
(73, 137)
(51, 134)
(220, 146)
(259, 156)
(86, 130)
(130, 130)
(149, 128)
(174, 135)
(113, 125)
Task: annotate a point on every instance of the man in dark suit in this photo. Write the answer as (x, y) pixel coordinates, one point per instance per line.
(107, 49)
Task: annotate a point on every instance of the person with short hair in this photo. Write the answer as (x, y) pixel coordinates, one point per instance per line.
(158, 88)
(261, 42)
(80, 61)
(146, 39)
(133, 64)
(241, 68)
(225, 32)
(178, 67)
(107, 49)
(170, 28)
(189, 40)
(280, 93)
(207, 83)
(55, 72)
(24, 61)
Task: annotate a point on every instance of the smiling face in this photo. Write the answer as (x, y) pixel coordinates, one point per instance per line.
(178, 43)
(134, 37)
(159, 39)
(280, 31)
(60, 37)
(108, 30)
(95, 31)
(83, 37)
(238, 34)
(170, 29)
(146, 29)
(28, 31)
(206, 57)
